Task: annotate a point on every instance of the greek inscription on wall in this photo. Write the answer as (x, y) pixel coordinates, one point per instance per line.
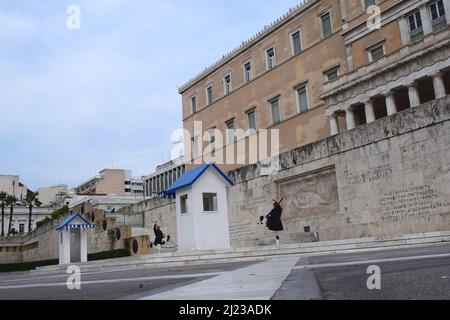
(240, 231)
(411, 202)
(250, 205)
(368, 176)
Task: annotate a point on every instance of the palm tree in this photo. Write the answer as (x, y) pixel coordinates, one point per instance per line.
(3, 196)
(30, 200)
(10, 201)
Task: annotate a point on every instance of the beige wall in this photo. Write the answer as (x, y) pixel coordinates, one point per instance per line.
(6, 185)
(48, 195)
(318, 56)
(112, 182)
(392, 41)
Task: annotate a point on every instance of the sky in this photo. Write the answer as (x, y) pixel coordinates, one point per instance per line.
(75, 101)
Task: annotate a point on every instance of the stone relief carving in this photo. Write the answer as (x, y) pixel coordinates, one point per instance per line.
(310, 194)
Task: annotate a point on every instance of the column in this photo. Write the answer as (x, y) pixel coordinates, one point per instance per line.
(413, 92)
(334, 126)
(370, 113)
(391, 105)
(447, 11)
(150, 194)
(350, 118)
(439, 86)
(426, 21)
(404, 31)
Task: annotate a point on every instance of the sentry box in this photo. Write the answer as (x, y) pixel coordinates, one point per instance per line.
(202, 209)
(73, 239)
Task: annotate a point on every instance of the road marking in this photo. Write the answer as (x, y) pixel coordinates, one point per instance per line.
(376, 261)
(83, 283)
(55, 276)
(256, 282)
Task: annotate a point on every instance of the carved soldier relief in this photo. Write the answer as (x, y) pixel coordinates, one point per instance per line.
(311, 194)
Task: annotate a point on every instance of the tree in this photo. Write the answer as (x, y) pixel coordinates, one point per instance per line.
(31, 200)
(10, 201)
(3, 196)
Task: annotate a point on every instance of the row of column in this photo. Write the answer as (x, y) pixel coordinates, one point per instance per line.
(162, 181)
(391, 106)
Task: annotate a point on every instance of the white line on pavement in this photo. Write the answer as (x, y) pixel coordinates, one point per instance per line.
(56, 284)
(55, 276)
(375, 261)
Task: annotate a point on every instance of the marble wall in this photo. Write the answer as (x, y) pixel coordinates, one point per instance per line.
(390, 177)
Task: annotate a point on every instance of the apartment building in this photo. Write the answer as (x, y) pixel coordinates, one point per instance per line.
(12, 185)
(324, 67)
(52, 194)
(111, 181)
(163, 177)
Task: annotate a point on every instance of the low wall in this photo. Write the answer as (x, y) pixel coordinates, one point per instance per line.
(43, 244)
(154, 210)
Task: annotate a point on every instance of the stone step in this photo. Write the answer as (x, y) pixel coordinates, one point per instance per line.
(257, 253)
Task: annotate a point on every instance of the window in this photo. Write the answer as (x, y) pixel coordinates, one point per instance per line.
(230, 130)
(252, 119)
(326, 25)
(248, 71)
(184, 204)
(302, 99)
(376, 53)
(275, 108)
(437, 12)
(296, 42)
(193, 104)
(210, 202)
(270, 55)
(368, 3)
(21, 228)
(195, 148)
(127, 190)
(227, 84)
(332, 74)
(415, 26)
(209, 95)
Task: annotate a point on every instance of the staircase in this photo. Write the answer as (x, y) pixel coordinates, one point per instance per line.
(170, 259)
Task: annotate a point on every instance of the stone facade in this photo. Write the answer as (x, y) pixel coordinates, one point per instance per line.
(154, 210)
(387, 178)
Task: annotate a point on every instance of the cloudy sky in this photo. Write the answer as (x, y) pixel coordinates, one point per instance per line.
(73, 102)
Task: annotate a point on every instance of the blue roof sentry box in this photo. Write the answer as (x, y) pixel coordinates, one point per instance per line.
(190, 177)
(67, 223)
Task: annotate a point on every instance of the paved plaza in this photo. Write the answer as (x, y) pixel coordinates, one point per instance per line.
(406, 273)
